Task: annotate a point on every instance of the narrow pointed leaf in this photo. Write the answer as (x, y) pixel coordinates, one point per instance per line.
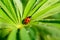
(37, 7)
(50, 21)
(12, 35)
(55, 16)
(28, 7)
(19, 6)
(47, 4)
(24, 3)
(51, 12)
(52, 29)
(6, 10)
(48, 9)
(24, 34)
(4, 16)
(10, 7)
(18, 14)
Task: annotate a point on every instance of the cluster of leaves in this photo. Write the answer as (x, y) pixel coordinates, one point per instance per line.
(44, 24)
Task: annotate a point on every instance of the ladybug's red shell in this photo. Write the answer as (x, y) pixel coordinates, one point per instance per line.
(27, 20)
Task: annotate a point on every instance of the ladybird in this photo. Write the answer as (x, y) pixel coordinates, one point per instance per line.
(27, 20)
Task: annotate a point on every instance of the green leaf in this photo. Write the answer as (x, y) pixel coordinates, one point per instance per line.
(0, 33)
(24, 34)
(24, 3)
(50, 21)
(47, 12)
(55, 16)
(19, 9)
(47, 4)
(19, 6)
(12, 35)
(51, 12)
(52, 29)
(12, 13)
(3, 20)
(28, 7)
(4, 17)
(5, 32)
(10, 7)
(32, 32)
(37, 7)
(6, 29)
(7, 12)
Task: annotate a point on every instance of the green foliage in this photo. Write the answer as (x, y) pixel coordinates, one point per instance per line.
(12, 35)
(24, 34)
(44, 23)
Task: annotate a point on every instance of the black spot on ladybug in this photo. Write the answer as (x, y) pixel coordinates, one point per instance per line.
(26, 20)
